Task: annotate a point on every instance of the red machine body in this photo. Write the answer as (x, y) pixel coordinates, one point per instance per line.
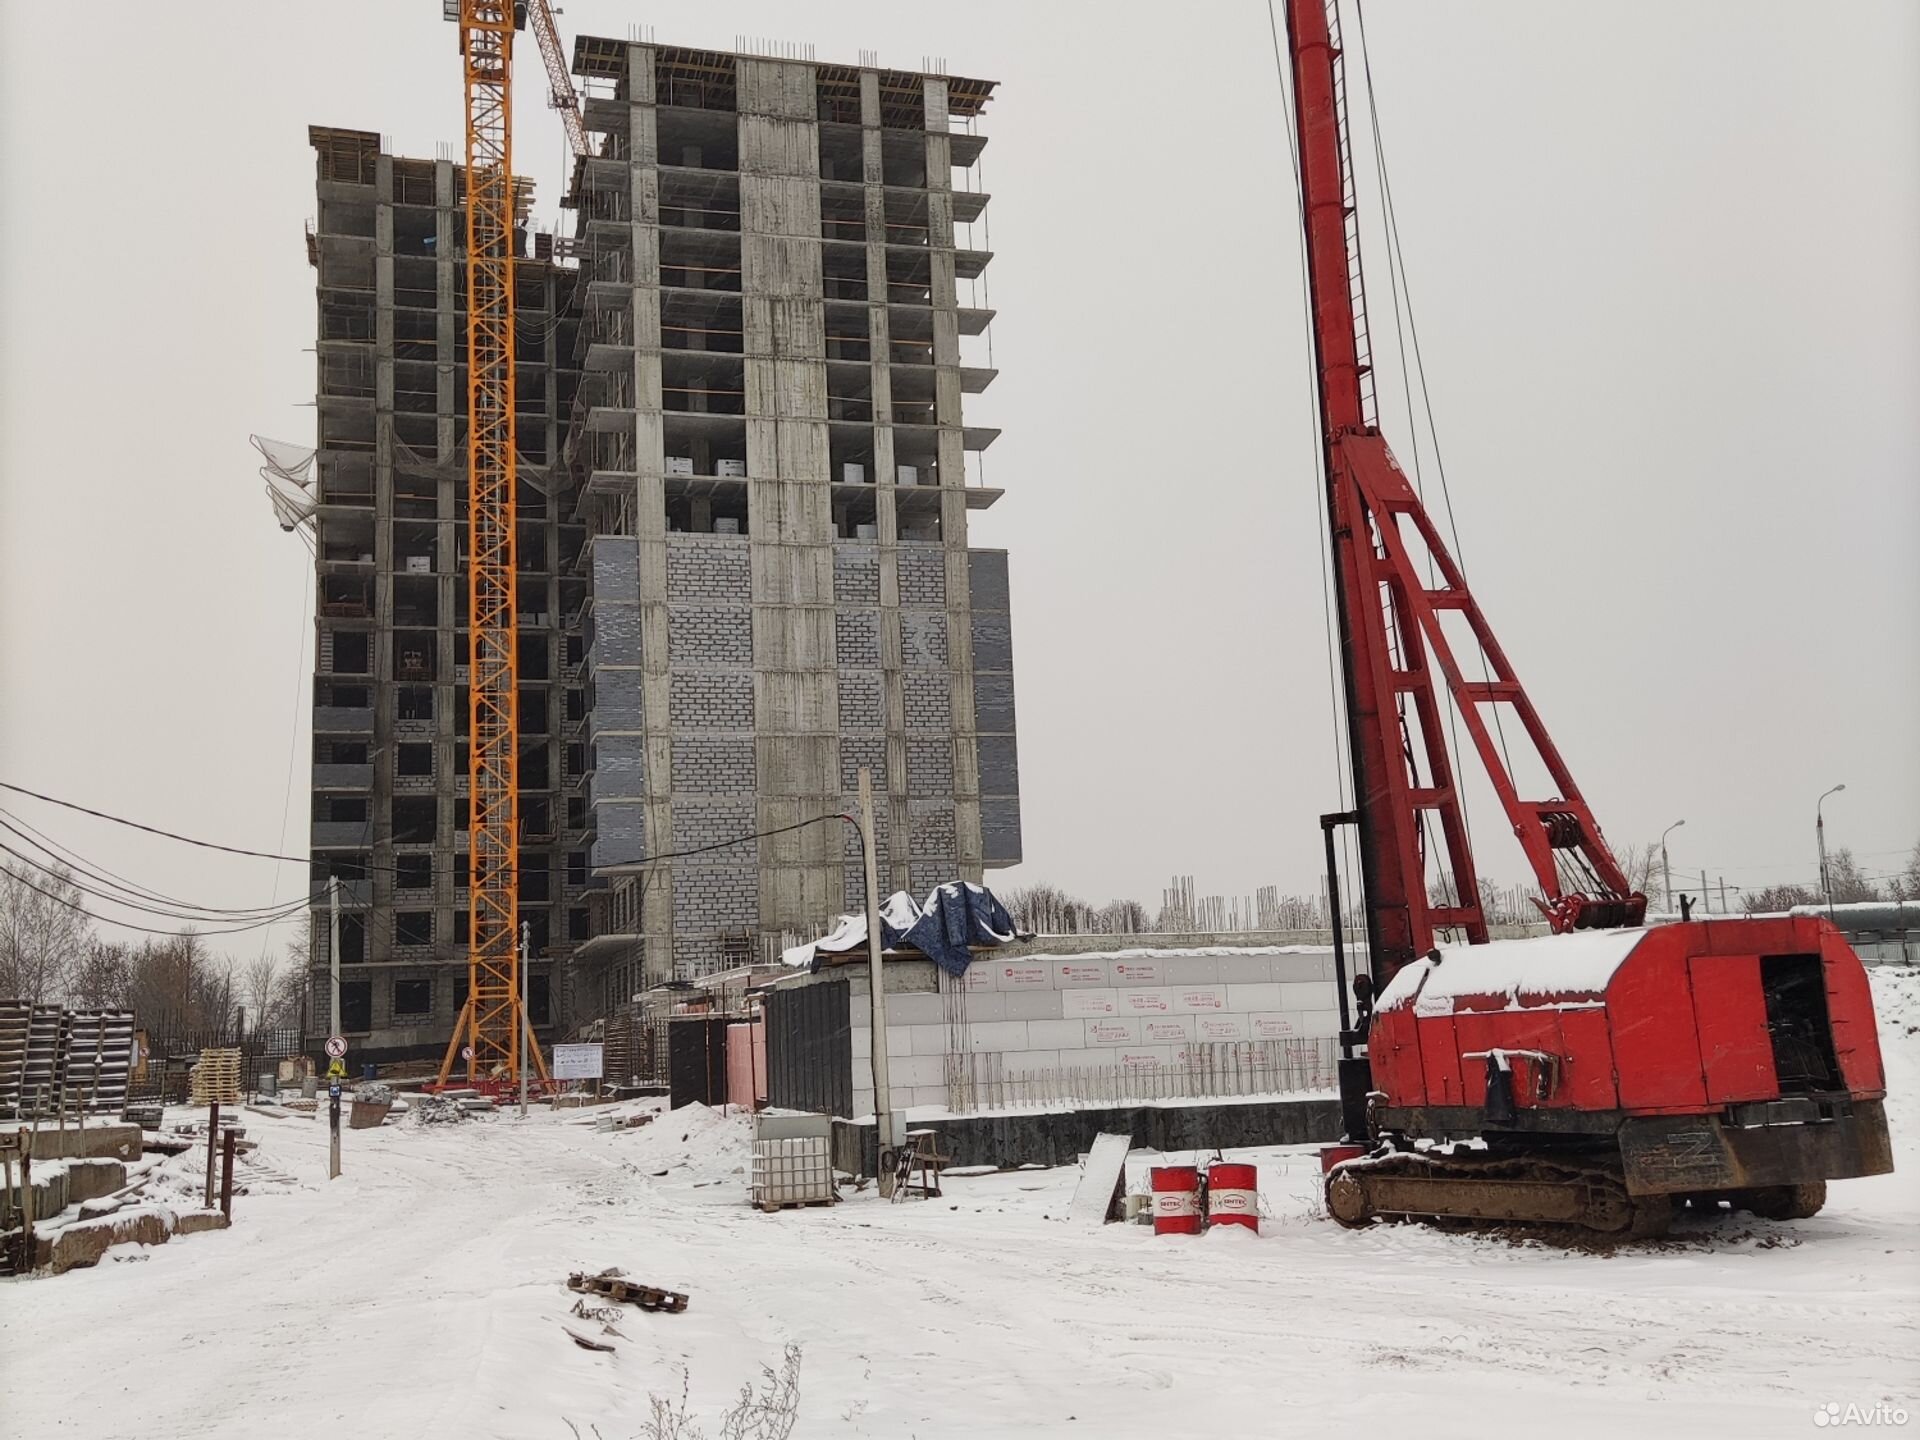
(1606, 1067)
(1718, 1055)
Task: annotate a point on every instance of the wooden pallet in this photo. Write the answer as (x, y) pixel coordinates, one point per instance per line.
(215, 1078)
(614, 1287)
(771, 1207)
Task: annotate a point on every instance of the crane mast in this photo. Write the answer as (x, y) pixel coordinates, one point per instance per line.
(1388, 614)
(494, 1021)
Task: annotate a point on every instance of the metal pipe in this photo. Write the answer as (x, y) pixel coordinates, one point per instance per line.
(885, 1139)
(1327, 825)
(1820, 839)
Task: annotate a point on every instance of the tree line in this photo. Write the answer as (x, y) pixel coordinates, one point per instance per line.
(1046, 909)
(51, 954)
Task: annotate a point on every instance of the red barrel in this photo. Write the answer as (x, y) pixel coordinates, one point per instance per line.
(1176, 1199)
(1233, 1195)
(1332, 1155)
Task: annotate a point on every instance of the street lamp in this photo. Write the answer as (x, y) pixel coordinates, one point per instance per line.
(1666, 870)
(1820, 838)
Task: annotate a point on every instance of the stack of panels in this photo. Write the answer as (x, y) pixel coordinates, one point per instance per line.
(15, 1019)
(619, 1058)
(99, 1059)
(46, 1061)
(215, 1078)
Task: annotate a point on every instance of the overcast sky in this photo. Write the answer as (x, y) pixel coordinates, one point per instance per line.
(1665, 260)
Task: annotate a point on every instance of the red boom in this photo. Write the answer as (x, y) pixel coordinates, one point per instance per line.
(1389, 616)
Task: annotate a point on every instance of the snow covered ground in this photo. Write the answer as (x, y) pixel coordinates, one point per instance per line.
(422, 1294)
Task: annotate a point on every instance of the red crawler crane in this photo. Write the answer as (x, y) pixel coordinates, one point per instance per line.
(1611, 1073)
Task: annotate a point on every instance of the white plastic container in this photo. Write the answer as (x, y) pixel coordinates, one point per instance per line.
(736, 469)
(851, 474)
(726, 525)
(792, 1172)
(419, 564)
(679, 464)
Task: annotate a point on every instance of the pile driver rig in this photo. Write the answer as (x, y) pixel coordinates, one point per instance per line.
(1604, 1074)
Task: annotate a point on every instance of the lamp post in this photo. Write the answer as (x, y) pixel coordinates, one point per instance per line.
(1820, 839)
(1666, 869)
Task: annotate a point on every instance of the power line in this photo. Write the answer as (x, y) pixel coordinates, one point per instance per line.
(66, 855)
(727, 844)
(299, 860)
(127, 925)
(152, 829)
(189, 914)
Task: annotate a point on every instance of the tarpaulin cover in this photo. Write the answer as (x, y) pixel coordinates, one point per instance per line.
(954, 917)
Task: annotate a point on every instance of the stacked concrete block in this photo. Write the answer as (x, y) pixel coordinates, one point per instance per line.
(1034, 1014)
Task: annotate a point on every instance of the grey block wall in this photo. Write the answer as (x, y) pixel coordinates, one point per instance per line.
(993, 708)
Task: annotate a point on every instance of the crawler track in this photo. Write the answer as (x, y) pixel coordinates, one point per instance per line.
(1507, 1191)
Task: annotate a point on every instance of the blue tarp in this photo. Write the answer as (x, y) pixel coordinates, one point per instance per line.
(954, 917)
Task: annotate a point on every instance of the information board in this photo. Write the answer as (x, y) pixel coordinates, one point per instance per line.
(578, 1062)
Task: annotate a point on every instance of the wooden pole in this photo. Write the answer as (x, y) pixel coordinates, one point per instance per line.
(226, 1175)
(213, 1144)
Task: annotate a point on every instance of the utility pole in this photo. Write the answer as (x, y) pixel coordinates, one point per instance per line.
(333, 1083)
(1820, 839)
(333, 948)
(1666, 866)
(526, 1017)
(882, 1094)
(1706, 896)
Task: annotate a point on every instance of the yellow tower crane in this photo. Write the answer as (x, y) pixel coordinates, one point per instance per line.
(493, 1034)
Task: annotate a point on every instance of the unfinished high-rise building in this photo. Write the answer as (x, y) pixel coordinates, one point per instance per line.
(745, 571)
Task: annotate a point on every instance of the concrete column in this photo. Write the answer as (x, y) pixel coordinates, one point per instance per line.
(450, 403)
(796, 706)
(380, 799)
(894, 799)
(953, 477)
(650, 505)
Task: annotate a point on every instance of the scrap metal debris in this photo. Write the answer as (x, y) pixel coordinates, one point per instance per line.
(602, 1313)
(586, 1342)
(610, 1283)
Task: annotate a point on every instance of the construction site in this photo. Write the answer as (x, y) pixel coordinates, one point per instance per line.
(667, 1024)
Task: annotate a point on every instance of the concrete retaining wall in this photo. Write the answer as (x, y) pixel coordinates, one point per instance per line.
(1060, 1138)
(1038, 1013)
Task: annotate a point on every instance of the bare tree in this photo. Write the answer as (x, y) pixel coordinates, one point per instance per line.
(100, 974)
(260, 989)
(1847, 882)
(1778, 897)
(1123, 917)
(1906, 885)
(1645, 874)
(42, 931)
(1048, 910)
